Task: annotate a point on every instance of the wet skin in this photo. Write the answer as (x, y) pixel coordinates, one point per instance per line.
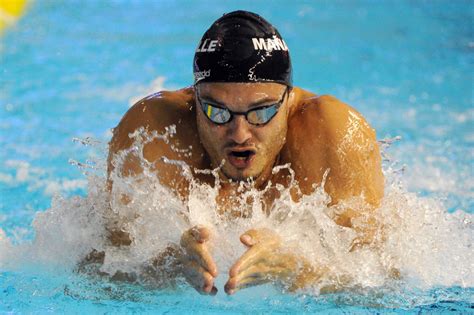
(198, 266)
(222, 142)
(313, 133)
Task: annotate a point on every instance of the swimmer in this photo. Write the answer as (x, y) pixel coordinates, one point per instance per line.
(243, 116)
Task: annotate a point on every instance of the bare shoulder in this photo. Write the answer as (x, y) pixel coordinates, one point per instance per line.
(327, 116)
(154, 112)
(326, 134)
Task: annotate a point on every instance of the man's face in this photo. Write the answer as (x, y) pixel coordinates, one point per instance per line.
(247, 150)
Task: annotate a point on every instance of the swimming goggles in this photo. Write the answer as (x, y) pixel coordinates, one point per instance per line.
(255, 116)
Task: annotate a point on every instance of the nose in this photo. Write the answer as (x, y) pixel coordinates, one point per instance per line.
(239, 130)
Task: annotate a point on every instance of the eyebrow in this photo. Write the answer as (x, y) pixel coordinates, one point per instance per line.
(211, 100)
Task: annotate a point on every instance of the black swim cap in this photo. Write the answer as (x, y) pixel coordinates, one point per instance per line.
(241, 46)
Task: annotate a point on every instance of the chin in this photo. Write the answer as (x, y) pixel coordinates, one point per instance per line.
(241, 176)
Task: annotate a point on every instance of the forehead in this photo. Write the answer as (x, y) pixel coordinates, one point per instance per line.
(247, 91)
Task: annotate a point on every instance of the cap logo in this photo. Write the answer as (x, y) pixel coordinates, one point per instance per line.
(198, 76)
(269, 44)
(207, 45)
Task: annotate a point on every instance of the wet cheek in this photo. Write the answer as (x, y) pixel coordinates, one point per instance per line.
(267, 137)
(264, 144)
(209, 136)
(218, 134)
(216, 138)
(270, 142)
(210, 131)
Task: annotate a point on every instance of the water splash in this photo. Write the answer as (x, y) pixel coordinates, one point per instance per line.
(427, 246)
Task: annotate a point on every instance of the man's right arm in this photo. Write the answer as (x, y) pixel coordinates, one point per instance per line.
(190, 258)
(156, 113)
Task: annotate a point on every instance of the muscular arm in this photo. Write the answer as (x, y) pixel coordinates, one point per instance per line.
(154, 113)
(326, 134)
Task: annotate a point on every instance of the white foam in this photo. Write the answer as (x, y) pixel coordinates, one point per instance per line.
(429, 246)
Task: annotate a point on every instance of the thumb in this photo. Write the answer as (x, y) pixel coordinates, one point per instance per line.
(200, 233)
(255, 236)
(252, 237)
(247, 240)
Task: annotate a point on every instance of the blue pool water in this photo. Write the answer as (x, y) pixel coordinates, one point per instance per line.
(72, 69)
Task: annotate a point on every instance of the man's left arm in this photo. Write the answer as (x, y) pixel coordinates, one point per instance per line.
(355, 181)
(326, 135)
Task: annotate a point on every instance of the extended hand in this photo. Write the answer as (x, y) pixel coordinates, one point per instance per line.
(198, 267)
(266, 260)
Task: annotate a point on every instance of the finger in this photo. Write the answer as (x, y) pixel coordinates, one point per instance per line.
(200, 233)
(251, 237)
(261, 243)
(259, 271)
(234, 281)
(232, 286)
(198, 250)
(197, 274)
(201, 254)
(257, 275)
(208, 282)
(252, 256)
(213, 291)
(255, 236)
(251, 282)
(198, 277)
(247, 240)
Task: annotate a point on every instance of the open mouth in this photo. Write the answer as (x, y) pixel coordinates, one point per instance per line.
(241, 159)
(242, 154)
